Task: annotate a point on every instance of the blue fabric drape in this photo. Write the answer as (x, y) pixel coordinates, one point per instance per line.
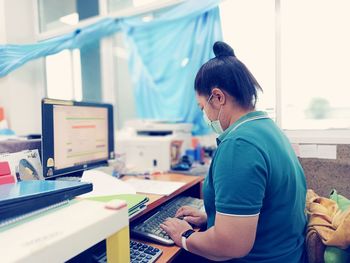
(165, 54)
(14, 56)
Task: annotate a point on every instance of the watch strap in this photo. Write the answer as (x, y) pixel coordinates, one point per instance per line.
(183, 243)
(184, 237)
(187, 233)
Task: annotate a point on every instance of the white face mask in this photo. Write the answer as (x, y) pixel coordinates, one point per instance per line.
(214, 125)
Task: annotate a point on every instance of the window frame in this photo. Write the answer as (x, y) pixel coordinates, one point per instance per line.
(106, 48)
(127, 12)
(333, 136)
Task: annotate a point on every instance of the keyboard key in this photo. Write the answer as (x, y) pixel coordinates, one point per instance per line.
(151, 252)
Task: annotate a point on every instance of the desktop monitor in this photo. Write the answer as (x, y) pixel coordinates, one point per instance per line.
(75, 136)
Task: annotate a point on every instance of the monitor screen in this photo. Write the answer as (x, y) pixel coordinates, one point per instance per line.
(75, 136)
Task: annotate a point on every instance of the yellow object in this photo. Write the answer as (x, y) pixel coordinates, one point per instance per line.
(118, 247)
(50, 162)
(328, 221)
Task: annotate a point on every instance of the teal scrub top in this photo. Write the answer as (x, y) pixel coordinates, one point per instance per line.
(256, 172)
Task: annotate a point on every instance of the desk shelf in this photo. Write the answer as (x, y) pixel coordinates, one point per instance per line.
(64, 232)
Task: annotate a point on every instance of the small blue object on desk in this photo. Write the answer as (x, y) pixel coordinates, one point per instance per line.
(184, 164)
(195, 169)
(7, 132)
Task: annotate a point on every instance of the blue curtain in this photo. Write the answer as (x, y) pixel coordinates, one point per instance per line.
(165, 55)
(14, 56)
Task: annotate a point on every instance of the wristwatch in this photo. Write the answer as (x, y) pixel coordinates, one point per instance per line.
(184, 236)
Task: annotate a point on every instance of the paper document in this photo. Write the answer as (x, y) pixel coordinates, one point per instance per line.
(154, 186)
(105, 184)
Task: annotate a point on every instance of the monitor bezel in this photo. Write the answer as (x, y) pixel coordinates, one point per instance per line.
(47, 137)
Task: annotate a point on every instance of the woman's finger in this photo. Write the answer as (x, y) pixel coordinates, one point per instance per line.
(180, 211)
(183, 211)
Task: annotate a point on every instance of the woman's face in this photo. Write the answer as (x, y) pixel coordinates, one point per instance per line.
(208, 104)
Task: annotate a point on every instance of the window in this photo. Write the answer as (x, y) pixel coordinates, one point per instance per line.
(63, 14)
(70, 74)
(315, 58)
(90, 73)
(138, 6)
(249, 27)
(298, 51)
(63, 75)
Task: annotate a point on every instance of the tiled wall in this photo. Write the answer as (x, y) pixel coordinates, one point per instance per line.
(324, 175)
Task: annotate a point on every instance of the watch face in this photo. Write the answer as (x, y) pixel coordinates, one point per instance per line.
(187, 233)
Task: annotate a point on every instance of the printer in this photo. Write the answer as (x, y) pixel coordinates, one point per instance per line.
(153, 146)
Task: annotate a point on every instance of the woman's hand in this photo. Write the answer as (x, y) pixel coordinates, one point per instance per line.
(174, 228)
(192, 216)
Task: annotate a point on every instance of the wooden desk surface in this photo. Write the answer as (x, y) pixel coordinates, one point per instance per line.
(169, 252)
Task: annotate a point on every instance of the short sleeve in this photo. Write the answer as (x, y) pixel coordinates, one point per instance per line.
(239, 178)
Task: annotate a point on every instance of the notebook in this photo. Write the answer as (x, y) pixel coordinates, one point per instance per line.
(27, 196)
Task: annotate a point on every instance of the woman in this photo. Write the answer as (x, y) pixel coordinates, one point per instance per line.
(254, 193)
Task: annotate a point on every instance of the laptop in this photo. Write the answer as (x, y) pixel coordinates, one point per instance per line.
(27, 196)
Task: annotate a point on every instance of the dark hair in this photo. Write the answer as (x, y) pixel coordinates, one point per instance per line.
(226, 72)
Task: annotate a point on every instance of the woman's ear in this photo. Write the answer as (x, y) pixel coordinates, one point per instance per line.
(219, 97)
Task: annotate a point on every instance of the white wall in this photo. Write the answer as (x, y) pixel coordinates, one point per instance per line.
(22, 90)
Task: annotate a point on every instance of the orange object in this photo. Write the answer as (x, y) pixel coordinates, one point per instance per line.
(115, 204)
(2, 114)
(195, 142)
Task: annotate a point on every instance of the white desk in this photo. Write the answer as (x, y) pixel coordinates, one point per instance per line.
(64, 232)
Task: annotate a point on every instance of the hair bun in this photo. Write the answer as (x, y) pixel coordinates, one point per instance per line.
(222, 49)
